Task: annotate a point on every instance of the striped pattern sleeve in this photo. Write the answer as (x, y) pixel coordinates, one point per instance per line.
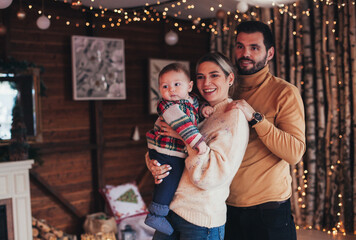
(175, 117)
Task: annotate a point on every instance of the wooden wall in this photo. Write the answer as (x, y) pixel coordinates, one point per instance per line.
(71, 143)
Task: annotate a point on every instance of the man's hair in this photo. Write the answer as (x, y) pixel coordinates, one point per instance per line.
(256, 26)
(176, 67)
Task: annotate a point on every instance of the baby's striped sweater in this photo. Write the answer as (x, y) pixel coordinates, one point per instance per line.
(183, 117)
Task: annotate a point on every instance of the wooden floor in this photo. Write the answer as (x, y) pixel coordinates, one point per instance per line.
(319, 235)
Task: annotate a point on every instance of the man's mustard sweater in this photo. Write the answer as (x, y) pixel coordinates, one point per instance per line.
(275, 143)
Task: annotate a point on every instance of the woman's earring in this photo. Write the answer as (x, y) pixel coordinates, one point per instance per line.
(230, 84)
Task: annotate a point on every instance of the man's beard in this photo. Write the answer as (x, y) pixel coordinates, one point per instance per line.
(256, 66)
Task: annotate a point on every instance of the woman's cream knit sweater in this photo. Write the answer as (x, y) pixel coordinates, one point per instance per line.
(204, 186)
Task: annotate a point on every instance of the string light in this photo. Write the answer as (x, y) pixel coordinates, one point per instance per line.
(163, 15)
(124, 16)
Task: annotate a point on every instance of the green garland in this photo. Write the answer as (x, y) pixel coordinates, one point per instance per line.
(11, 65)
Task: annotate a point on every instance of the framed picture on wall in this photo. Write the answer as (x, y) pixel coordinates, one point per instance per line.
(98, 68)
(155, 66)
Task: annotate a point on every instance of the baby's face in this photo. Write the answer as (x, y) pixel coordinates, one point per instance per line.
(175, 86)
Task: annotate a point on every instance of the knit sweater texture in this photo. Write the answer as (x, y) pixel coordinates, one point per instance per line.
(275, 143)
(183, 117)
(204, 186)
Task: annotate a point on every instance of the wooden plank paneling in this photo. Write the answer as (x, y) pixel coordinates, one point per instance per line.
(66, 148)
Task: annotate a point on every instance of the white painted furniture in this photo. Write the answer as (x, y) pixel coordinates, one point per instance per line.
(15, 185)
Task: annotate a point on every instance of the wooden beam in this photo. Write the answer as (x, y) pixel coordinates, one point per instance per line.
(5, 39)
(57, 195)
(97, 138)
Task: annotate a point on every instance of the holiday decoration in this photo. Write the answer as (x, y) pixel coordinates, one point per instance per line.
(136, 134)
(76, 4)
(43, 22)
(5, 3)
(128, 196)
(220, 14)
(269, 3)
(171, 38)
(21, 14)
(242, 6)
(3, 29)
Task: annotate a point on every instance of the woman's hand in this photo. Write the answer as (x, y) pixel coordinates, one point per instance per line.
(158, 172)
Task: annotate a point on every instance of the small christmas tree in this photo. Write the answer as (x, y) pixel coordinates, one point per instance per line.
(18, 147)
(128, 196)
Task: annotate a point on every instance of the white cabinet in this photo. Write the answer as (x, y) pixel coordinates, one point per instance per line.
(15, 185)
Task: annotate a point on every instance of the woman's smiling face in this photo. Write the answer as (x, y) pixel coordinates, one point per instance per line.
(212, 83)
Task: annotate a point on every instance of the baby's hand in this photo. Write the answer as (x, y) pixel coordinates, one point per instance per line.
(202, 147)
(207, 111)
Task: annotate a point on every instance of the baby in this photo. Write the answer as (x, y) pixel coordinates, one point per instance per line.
(180, 110)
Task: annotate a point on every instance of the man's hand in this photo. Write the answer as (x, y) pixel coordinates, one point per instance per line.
(243, 106)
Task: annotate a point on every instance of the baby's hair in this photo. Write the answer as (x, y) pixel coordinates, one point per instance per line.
(176, 67)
